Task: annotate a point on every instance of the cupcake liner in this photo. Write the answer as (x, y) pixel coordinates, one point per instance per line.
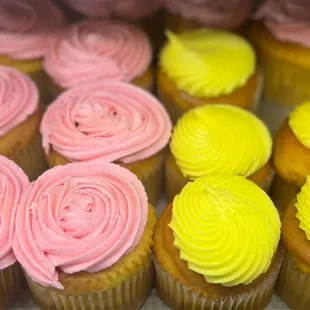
(177, 23)
(12, 285)
(178, 295)
(293, 285)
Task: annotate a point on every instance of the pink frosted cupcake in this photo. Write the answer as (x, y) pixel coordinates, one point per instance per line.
(83, 237)
(99, 50)
(13, 183)
(109, 122)
(188, 14)
(25, 29)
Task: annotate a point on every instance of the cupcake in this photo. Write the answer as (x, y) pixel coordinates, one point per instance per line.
(291, 156)
(281, 38)
(20, 117)
(190, 14)
(95, 50)
(218, 138)
(215, 246)
(25, 28)
(109, 122)
(294, 278)
(207, 66)
(83, 237)
(13, 183)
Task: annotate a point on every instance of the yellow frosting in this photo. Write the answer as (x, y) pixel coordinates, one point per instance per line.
(303, 208)
(299, 121)
(220, 138)
(208, 62)
(226, 228)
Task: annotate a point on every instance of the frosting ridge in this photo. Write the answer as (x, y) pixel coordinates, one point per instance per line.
(226, 229)
(220, 61)
(219, 138)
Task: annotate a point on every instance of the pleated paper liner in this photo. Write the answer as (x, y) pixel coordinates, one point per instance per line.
(125, 285)
(12, 285)
(178, 102)
(178, 295)
(149, 171)
(293, 285)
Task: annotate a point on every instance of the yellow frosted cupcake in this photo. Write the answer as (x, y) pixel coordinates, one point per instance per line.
(291, 156)
(91, 237)
(215, 246)
(207, 66)
(218, 139)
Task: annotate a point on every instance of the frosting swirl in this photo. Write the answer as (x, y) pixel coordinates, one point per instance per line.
(219, 14)
(19, 98)
(220, 61)
(109, 121)
(78, 217)
(288, 20)
(128, 10)
(13, 183)
(98, 49)
(220, 138)
(26, 27)
(226, 229)
(299, 121)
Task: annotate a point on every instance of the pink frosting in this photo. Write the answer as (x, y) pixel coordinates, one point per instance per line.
(95, 49)
(13, 182)
(124, 9)
(26, 26)
(288, 20)
(111, 121)
(19, 98)
(228, 14)
(78, 217)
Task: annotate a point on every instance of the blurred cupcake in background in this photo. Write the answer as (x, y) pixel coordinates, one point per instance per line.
(206, 66)
(280, 35)
(13, 183)
(95, 50)
(25, 29)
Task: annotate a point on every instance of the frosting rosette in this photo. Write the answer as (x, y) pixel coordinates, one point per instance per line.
(26, 27)
(93, 50)
(106, 121)
(19, 98)
(13, 183)
(78, 217)
(128, 10)
(288, 20)
(218, 138)
(226, 228)
(219, 14)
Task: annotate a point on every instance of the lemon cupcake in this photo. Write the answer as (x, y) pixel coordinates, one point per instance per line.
(215, 246)
(294, 278)
(218, 138)
(109, 122)
(25, 29)
(207, 66)
(91, 237)
(281, 38)
(291, 156)
(95, 50)
(13, 183)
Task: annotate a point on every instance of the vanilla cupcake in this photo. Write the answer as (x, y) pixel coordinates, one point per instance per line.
(13, 183)
(215, 246)
(207, 66)
(95, 50)
(90, 239)
(109, 122)
(291, 156)
(20, 118)
(218, 139)
(25, 29)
